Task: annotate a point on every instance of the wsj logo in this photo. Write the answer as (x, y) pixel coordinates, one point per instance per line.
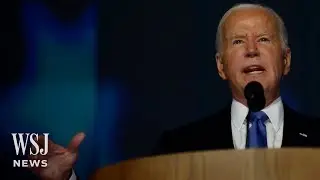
(21, 140)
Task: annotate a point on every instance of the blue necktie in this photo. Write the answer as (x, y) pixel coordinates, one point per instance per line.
(257, 134)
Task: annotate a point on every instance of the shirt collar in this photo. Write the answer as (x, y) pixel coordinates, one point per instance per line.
(274, 111)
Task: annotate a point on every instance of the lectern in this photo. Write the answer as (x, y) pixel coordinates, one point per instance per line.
(254, 164)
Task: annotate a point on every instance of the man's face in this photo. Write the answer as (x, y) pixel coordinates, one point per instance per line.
(252, 51)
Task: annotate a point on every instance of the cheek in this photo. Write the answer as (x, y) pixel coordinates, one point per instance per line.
(279, 68)
(236, 52)
(273, 59)
(233, 71)
(233, 59)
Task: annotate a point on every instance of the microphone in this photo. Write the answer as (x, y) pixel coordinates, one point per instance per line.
(254, 94)
(256, 101)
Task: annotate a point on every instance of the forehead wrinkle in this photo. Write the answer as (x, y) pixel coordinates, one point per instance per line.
(249, 24)
(245, 35)
(279, 29)
(254, 27)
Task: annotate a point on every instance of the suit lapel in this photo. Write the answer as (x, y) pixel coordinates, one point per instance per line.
(291, 130)
(223, 131)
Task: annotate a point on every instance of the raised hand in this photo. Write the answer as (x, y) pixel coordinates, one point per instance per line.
(60, 159)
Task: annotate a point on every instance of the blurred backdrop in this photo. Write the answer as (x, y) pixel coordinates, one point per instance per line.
(124, 71)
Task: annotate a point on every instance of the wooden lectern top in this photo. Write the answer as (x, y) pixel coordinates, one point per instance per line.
(254, 164)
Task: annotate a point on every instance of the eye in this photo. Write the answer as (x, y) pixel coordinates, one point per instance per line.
(263, 39)
(237, 41)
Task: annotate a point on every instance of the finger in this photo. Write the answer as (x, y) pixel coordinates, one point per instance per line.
(36, 157)
(76, 141)
(60, 151)
(41, 141)
(34, 150)
(53, 149)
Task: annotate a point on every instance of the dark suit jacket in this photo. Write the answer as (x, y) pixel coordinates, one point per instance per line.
(214, 133)
(7, 155)
(10, 173)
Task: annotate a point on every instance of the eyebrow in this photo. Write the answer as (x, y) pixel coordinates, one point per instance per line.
(264, 34)
(235, 36)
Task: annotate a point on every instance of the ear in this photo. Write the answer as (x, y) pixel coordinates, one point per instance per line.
(220, 66)
(287, 61)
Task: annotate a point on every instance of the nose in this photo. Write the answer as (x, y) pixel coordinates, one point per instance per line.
(252, 49)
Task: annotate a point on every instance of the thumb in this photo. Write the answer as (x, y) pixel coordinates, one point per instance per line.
(76, 141)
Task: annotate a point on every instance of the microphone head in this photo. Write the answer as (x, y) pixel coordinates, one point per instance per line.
(254, 94)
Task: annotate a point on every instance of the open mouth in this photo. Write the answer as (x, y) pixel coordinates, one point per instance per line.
(254, 69)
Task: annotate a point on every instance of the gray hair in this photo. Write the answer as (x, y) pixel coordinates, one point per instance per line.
(281, 27)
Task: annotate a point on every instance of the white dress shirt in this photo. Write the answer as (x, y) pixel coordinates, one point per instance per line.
(274, 125)
(73, 176)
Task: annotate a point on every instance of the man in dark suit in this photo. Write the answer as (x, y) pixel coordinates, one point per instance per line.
(219, 131)
(252, 45)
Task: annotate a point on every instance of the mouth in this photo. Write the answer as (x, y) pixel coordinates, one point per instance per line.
(253, 69)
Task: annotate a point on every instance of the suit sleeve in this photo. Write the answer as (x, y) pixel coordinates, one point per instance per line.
(9, 172)
(164, 144)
